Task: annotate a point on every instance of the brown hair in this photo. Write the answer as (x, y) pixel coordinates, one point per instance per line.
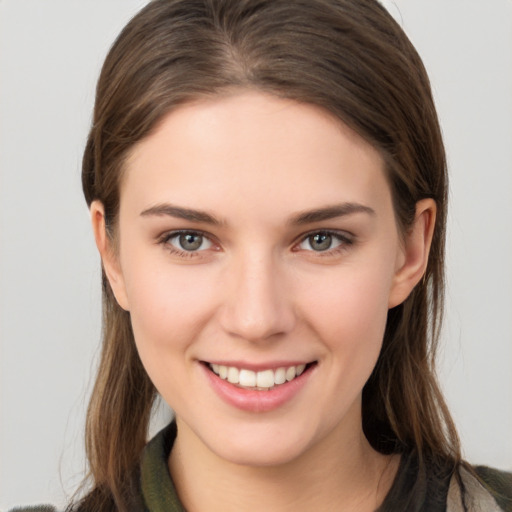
(346, 56)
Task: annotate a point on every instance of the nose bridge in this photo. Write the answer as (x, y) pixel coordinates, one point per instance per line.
(258, 304)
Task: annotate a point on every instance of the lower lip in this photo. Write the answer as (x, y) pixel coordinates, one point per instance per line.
(257, 401)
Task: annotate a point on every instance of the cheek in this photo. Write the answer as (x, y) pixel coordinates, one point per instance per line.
(349, 311)
(169, 306)
(163, 302)
(168, 312)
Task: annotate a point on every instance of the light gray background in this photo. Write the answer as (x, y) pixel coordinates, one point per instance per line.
(50, 55)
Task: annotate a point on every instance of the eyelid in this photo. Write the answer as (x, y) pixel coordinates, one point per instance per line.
(344, 237)
(165, 237)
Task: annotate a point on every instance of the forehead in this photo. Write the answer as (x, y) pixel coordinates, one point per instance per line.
(252, 149)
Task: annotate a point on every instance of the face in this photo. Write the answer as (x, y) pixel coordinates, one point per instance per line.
(258, 256)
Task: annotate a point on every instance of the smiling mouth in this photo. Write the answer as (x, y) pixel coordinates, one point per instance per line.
(264, 380)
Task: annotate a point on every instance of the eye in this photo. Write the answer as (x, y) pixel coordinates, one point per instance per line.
(188, 241)
(323, 241)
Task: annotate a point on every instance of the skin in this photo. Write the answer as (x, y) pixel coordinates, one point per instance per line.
(259, 292)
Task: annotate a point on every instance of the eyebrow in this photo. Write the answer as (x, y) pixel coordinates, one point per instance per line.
(330, 212)
(306, 217)
(179, 212)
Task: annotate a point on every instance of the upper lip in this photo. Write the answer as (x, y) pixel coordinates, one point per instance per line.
(256, 367)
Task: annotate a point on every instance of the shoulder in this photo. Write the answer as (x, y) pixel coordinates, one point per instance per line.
(480, 488)
(37, 508)
(498, 483)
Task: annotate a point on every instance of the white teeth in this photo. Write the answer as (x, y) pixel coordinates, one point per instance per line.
(233, 375)
(280, 376)
(247, 378)
(265, 379)
(290, 373)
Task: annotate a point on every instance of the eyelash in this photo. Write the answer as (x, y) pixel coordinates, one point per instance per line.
(167, 237)
(345, 241)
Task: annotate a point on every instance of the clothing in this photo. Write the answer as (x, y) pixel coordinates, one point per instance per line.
(439, 495)
(440, 491)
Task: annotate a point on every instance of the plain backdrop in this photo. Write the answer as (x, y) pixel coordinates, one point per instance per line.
(50, 55)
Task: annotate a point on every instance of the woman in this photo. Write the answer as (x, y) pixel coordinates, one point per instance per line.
(267, 185)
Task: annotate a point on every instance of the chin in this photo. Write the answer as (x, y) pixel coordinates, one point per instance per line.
(264, 454)
(261, 444)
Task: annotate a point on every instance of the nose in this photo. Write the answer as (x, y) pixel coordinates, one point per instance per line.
(257, 303)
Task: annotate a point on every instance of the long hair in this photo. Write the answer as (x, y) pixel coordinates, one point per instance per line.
(348, 57)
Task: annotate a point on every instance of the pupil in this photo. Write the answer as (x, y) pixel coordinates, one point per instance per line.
(321, 241)
(190, 241)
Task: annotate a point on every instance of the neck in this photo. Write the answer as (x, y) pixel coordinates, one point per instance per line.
(339, 470)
